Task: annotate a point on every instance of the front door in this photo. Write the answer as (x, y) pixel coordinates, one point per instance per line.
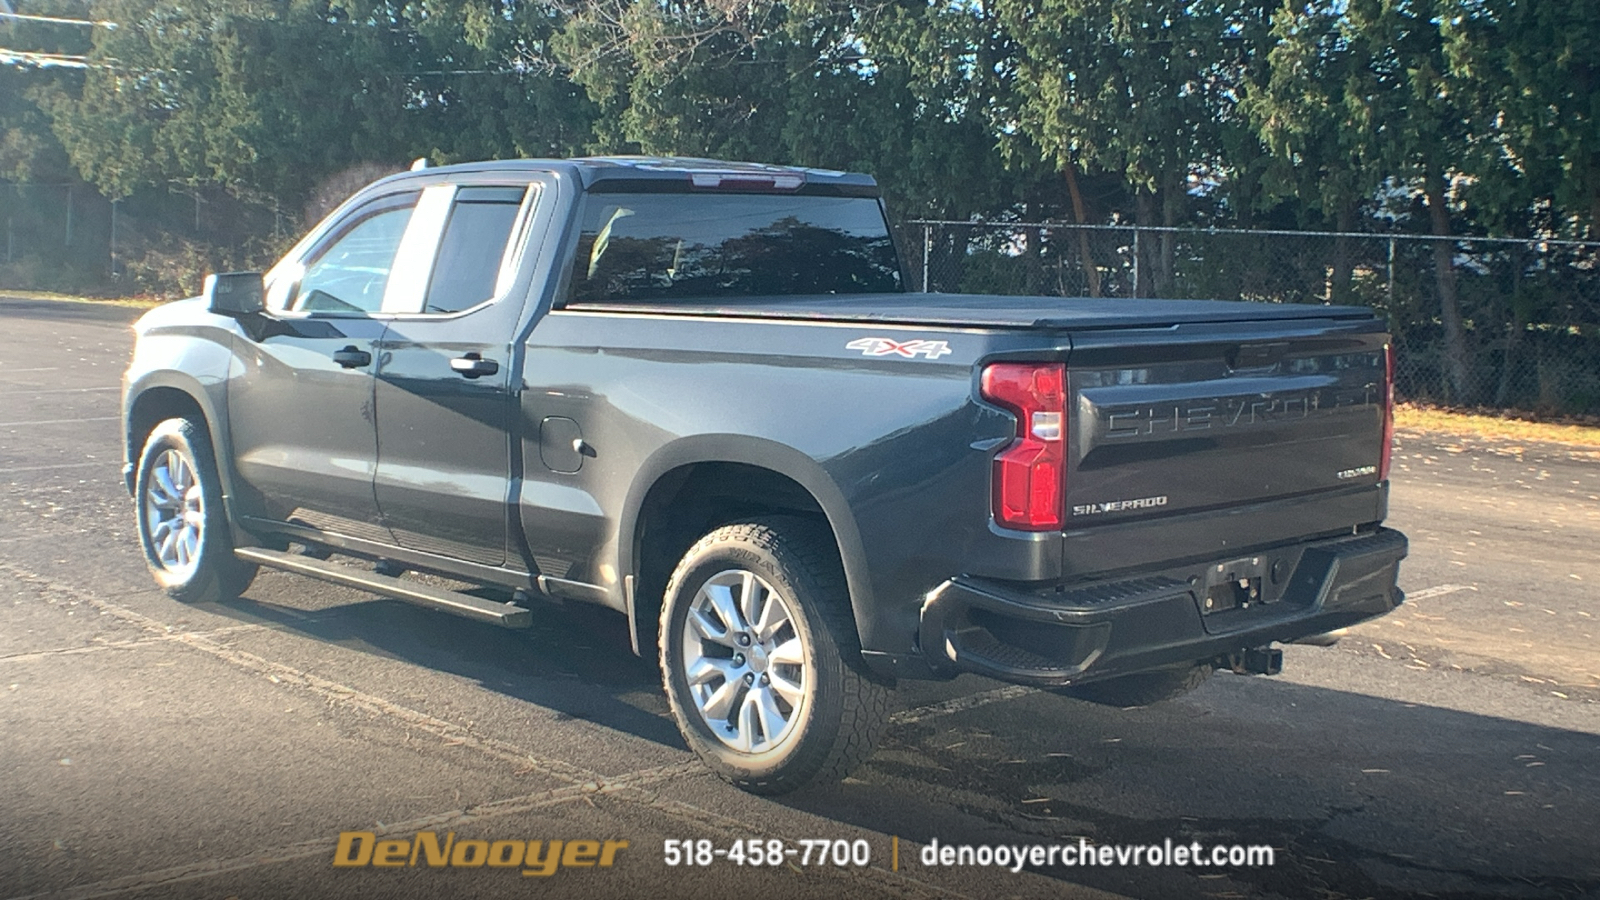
(443, 392)
(301, 415)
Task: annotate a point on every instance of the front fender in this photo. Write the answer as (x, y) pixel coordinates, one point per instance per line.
(185, 349)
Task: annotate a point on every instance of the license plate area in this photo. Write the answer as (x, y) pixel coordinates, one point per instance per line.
(1235, 585)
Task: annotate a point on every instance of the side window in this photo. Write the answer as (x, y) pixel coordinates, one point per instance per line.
(350, 274)
(474, 248)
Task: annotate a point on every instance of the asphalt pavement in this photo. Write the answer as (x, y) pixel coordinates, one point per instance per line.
(152, 749)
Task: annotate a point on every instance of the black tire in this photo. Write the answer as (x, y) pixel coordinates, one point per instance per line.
(841, 711)
(1143, 688)
(206, 572)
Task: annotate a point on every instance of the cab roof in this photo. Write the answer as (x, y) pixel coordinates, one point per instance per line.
(674, 173)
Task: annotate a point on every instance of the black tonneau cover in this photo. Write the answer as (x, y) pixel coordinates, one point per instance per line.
(982, 311)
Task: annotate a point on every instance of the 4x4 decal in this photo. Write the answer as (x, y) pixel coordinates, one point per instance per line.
(877, 346)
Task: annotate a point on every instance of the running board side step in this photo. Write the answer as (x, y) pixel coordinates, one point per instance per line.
(502, 614)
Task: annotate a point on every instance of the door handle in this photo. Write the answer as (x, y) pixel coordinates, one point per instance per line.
(474, 366)
(351, 358)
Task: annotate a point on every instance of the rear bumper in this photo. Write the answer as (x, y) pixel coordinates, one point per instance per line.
(1104, 629)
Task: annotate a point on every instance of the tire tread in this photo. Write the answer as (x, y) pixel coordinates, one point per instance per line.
(804, 548)
(221, 576)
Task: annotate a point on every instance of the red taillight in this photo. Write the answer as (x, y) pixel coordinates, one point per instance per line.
(1388, 413)
(1030, 474)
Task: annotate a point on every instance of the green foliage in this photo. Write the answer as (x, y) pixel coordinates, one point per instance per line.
(1532, 71)
(265, 99)
(1170, 111)
(803, 83)
(217, 121)
(1315, 113)
(28, 151)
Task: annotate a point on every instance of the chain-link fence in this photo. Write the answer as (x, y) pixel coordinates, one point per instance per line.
(1529, 310)
(68, 237)
(50, 230)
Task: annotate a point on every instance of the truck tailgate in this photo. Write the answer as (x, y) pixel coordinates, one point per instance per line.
(1173, 421)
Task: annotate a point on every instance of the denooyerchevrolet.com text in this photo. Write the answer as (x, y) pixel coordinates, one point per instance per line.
(1082, 853)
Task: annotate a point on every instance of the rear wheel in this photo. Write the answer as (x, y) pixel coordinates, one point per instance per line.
(182, 526)
(1143, 688)
(760, 661)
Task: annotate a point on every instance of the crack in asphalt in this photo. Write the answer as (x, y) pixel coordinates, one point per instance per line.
(580, 782)
(1339, 870)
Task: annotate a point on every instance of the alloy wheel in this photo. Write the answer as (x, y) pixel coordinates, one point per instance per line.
(745, 662)
(174, 513)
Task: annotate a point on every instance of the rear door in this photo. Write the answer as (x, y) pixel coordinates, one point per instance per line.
(443, 394)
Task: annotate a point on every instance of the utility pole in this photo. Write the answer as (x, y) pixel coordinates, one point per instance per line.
(1136, 254)
(927, 251)
(1391, 278)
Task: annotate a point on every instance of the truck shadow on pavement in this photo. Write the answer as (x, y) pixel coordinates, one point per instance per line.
(575, 661)
(1360, 796)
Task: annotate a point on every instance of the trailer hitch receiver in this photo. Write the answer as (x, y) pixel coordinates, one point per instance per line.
(1256, 661)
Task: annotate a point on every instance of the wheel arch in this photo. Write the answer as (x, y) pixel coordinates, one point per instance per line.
(697, 484)
(170, 395)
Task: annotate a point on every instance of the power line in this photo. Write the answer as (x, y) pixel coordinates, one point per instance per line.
(43, 60)
(54, 20)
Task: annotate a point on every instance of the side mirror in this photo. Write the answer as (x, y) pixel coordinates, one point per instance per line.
(235, 294)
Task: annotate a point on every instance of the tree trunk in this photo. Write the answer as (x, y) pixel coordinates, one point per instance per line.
(1144, 214)
(1518, 325)
(1033, 251)
(1171, 207)
(1155, 270)
(1339, 289)
(1455, 339)
(1091, 272)
(1513, 345)
(949, 268)
(1244, 185)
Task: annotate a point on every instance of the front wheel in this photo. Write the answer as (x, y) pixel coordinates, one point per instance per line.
(760, 660)
(182, 526)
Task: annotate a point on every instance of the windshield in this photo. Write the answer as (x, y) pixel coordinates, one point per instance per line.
(649, 247)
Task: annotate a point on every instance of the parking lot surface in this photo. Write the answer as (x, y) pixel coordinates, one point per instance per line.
(151, 749)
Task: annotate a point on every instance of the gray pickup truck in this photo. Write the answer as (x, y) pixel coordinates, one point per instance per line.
(699, 394)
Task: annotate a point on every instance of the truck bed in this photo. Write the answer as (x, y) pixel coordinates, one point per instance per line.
(983, 311)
